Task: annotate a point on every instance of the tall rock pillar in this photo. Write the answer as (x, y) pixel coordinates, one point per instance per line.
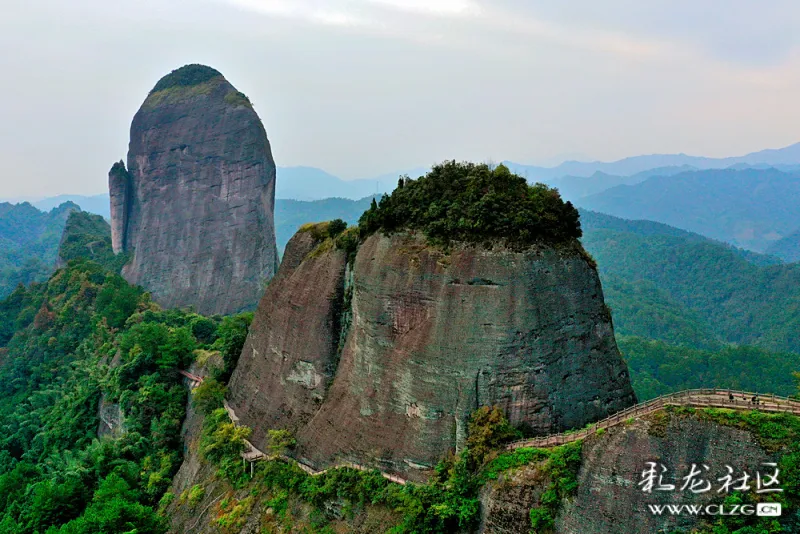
(195, 206)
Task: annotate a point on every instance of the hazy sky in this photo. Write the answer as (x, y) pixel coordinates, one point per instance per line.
(364, 87)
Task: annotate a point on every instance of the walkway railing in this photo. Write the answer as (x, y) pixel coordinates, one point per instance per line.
(252, 454)
(697, 398)
(194, 380)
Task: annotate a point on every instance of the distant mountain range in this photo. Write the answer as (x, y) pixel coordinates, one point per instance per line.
(28, 242)
(574, 188)
(294, 183)
(748, 201)
(574, 178)
(97, 204)
(292, 214)
(782, 157)
(679, 287)
(751, 208)
(787, 248)
(310, 183)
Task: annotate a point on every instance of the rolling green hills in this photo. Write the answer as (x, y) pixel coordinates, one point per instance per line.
(730, 294)
(29, 242)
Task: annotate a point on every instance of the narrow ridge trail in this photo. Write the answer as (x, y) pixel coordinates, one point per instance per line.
(694, 398)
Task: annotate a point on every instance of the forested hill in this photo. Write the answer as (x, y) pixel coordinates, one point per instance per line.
(788, 248)
(687, 310)
(717, 294)
(83, 339)
(28, 242)
(89, 236)
(593, 220)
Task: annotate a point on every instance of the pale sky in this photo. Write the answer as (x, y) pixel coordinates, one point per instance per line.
(364, 87)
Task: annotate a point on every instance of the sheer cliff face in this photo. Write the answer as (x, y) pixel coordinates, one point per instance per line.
(195, 206)
(289, 358)
(433, 337)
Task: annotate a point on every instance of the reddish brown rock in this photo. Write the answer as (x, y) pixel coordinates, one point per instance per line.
(290, 355)
(434, 336)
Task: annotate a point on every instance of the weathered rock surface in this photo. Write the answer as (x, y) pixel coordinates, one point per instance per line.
(289, 358)
(433, 337)
(111, 419)
(609, 499)
(195, 205)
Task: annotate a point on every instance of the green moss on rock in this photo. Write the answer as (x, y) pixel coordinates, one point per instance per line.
(186, 76)
(237, 98)
(177, 94)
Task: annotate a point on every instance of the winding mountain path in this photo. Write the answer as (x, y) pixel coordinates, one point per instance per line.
(694, 398)
(252, 454)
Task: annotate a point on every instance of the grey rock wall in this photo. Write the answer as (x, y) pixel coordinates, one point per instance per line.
(195, 205)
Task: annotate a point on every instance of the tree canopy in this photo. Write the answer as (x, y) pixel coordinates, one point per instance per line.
(476, 203)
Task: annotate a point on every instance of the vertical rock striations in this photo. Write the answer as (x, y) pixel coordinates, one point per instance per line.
(433, 337)
(119, 187)
(376, 346)
(436, 336)
(195, 205)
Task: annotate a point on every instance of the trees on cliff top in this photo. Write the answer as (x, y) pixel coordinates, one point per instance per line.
(475, 203)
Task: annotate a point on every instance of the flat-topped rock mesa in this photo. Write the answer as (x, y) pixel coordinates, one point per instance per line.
(381, 358)
(195, 205)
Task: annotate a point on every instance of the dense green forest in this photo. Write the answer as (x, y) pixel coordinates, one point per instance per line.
(658, 368)
(692, 312)
(84, 338)
(720, 291)
(28, 243)
(89, 236)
